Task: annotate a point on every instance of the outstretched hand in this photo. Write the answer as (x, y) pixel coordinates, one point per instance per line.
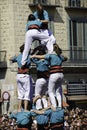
(32, 56)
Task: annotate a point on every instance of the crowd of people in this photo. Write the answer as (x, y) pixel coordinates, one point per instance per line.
(74, 119)
(47, 111)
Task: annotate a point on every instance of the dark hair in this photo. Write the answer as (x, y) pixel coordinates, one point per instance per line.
(39, 5)
(40, 11)
(21, 48)
(31, 17)
(40, 50)
(57, 49)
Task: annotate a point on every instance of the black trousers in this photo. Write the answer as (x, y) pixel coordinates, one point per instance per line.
(57, 126)
(43, 127)
(25, 126)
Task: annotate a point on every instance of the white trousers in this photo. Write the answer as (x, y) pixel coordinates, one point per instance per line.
(55, 82)
(33, 35)
(41, 103)
(23, 83)
(40, 86)
(49, 45)
(41, 89)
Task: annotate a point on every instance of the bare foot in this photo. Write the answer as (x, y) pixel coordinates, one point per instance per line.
(53, 108)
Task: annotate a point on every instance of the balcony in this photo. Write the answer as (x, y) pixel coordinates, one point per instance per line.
(76, 4)
(76, 58)
(3, 63)
(77, 93)
(77, 61)
(77, 89)
(47, 3)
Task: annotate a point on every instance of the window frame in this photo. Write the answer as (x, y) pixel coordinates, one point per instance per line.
(77, 51)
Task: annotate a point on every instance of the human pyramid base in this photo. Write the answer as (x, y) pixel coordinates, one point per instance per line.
(74, 119)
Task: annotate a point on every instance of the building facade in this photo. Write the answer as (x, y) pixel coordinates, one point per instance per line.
(68, 22)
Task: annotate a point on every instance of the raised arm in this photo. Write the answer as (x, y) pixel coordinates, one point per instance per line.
(38, 56)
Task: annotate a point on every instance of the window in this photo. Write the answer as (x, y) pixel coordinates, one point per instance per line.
(74, 3)
(40, 1)
(78, 39)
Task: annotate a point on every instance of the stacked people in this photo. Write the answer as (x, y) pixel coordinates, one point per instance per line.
(55, 60)
(49, 81)
(47, 111)
(42, 67)
(35, 31)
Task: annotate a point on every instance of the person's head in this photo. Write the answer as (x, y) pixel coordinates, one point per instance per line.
(39, 8)
(31, 17)
(21, 48)
(57, 49)
(40, 50)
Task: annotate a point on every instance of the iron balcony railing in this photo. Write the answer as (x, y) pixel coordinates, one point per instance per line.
(76, 3)
(77, 89)
(78, 57)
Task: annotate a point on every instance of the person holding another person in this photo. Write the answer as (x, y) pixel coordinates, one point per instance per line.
(34, 33)
(42, 116)
(23, 80)
(42, 15)
(56, 74)
(42, 67)
(57, 119)
(23, 119)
